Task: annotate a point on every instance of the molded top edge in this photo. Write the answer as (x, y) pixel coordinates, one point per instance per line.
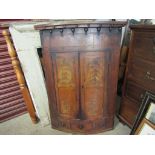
(143, 26)
(76, 23)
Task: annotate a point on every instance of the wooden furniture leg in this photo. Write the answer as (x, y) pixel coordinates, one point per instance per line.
(20, 77)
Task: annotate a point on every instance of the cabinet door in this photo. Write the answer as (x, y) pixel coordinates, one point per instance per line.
(92, 84)
(66, 83)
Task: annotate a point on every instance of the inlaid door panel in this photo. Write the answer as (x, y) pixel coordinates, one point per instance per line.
(66, 83)
(92, 84)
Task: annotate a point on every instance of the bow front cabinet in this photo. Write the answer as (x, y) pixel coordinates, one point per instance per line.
(81, 63)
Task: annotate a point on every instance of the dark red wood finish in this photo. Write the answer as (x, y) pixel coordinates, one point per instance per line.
(11, 100)
(81, 69)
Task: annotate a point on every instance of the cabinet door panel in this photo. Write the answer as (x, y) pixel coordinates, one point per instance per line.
(66, 83)
(92, 83)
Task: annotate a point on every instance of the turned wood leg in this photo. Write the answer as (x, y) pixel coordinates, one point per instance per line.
(20, 77)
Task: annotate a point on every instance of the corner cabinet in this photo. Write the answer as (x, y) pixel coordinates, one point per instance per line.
(81, 68)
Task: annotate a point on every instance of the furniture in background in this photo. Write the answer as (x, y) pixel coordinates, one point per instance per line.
(20, 77)
(146, 111)
(27, 42)
(11, 99)
(145, 128)
(140, 72)
(81, 61)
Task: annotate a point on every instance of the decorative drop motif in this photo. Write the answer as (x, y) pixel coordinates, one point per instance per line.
(65, 107)
(94, 73)
(65, 73)
(73, 30)
(92, 108)
(61, 31)
(86, 30)
(98, 29)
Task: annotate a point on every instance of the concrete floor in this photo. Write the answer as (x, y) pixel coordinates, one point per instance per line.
(22, 125)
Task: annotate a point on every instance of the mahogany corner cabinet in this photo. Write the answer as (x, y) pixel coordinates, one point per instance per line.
(81, 62)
